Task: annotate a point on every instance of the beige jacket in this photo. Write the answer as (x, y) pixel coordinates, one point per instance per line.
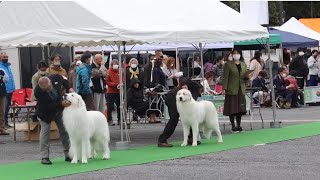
(59, 71)
(256, 67)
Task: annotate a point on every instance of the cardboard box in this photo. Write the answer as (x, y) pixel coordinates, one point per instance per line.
(35, 130)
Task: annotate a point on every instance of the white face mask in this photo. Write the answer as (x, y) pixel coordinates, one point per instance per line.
(284, 75)
(115, 66)
(301, 53)
(236, 57)
(134, 65)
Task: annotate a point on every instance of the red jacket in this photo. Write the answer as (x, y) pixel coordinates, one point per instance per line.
(292, 80)
(113, 81)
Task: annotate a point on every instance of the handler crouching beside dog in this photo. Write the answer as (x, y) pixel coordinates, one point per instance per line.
(170, 100)
(49, 107)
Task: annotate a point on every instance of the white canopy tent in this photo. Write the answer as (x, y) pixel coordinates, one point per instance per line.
(296, 27)
(90, 23)
(30, 23)
(177, 21)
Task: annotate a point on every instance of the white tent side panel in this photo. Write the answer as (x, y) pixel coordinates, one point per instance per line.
(295, 26)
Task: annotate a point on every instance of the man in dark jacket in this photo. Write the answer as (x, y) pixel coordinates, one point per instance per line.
(170, 100)
(3, 93)
(49, 107)
(300, 65)
(261, 92)
(99, 72)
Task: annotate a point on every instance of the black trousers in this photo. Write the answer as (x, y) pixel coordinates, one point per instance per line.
(111, 100)
(172, 123)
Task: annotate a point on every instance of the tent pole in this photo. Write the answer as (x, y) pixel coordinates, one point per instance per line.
(177, 60)
(121, 145)
(274, 123)
(201, 59)
(281, 55)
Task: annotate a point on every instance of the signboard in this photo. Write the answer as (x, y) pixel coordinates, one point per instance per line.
(311, 94)
(218, 102)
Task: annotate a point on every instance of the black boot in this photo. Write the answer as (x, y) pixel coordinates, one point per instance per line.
(233, 127)
(239, 128)
(46, 161)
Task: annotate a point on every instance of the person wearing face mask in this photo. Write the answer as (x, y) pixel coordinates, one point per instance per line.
(84, 84)
(55, 67)
(42, 71)
(263, 93)
(299, 65)
(133, 71)
(5, 66)
(234, 88)
(218, 69)
(170, 73)
(113, 91)
(99, 72)
(282, 90)
(313, 65)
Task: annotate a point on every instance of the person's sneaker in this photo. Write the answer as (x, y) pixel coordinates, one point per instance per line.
(165, 144)
(4, 132)
(46, 161)
(239, 129)
(234, 130)
(67, 159)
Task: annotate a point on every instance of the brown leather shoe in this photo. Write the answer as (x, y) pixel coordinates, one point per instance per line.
(165, 145)
(4, 132)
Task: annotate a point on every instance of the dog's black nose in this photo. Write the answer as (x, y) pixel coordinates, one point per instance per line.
(180, 98)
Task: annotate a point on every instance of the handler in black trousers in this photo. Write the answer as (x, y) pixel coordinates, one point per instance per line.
(170, 100)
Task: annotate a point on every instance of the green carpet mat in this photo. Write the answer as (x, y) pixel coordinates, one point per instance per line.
(147, 154)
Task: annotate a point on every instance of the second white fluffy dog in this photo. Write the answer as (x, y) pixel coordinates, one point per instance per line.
(88, 130)
(197, 115)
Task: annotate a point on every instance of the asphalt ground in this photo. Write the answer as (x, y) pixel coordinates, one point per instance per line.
(297, 159)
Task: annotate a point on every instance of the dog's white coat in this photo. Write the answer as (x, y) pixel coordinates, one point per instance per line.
(197, 115)
(88, 130)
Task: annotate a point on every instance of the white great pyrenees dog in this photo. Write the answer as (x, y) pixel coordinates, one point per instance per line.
(197, 115)
(88, 130)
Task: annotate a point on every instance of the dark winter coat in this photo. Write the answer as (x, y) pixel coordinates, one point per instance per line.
(135, 98)
(49, 103)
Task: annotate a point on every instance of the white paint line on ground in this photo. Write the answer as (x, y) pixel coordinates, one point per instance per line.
(260, 144)
(270, 120)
